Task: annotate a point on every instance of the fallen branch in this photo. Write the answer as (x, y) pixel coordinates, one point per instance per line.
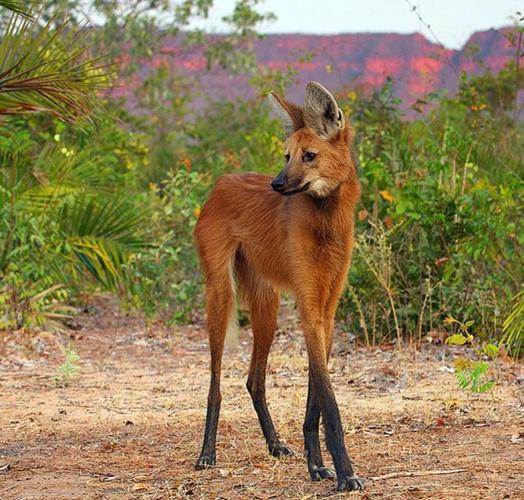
(417, 473)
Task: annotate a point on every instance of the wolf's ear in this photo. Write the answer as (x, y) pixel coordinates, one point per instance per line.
(291, 115)
(321, 112)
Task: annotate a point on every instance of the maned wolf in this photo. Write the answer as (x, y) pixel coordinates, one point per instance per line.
(295, 233)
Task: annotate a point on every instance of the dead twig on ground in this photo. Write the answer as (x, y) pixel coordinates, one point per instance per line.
(416, 473)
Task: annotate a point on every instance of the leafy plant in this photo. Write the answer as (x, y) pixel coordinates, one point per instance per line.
(66, 371)
(375, 251)
(462, 336)
(446, 189)
(471, 375)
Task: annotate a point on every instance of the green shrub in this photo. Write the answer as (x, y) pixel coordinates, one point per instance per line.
(438, 218)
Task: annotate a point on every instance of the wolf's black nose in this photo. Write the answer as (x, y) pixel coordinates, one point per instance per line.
(277, 184)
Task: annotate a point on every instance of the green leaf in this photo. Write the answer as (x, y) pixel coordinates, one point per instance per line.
(456, 339)
(491, 350)
(486, 386)
(401, 206)
(480, 369)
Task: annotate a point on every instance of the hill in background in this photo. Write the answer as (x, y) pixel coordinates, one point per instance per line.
(341, 62)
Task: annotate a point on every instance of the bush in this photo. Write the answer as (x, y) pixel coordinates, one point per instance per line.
(112, 207)
(440, 223)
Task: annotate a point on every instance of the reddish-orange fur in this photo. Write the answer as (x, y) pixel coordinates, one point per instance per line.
(300, 243)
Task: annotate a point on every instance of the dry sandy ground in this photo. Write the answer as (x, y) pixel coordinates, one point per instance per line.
(129, 425)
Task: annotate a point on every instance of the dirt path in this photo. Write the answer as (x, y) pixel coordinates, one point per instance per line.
(129, 424)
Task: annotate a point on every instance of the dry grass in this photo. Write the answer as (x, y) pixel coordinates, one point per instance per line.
(130, 424)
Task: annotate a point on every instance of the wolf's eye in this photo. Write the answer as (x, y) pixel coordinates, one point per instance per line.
(309, 156)
(286, 156)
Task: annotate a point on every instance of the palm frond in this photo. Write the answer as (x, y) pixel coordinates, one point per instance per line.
(114, 219)
(101, 235)
(49, 308)
(48, 69)
(20, 7)
(514, 326)
(53, 176)
(101, 258)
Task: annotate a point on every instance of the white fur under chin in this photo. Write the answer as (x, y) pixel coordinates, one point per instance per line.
(320, 187)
